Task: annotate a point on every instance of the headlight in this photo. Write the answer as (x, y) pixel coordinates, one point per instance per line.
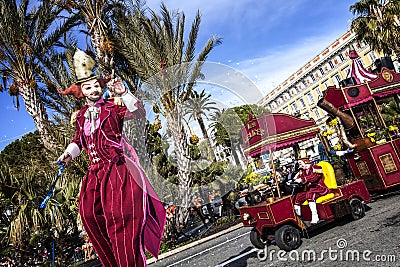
(257, 198)
(246, 216)
(248, 199)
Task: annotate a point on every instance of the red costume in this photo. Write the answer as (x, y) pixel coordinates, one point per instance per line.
(314, 181)
(120, 211)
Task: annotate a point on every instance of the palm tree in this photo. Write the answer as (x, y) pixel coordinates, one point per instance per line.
(24, 224)
(197, 106)
(377, 23)
(229, 125)
(154, 47)
(27, 36)
(25, 176)
(97, 16)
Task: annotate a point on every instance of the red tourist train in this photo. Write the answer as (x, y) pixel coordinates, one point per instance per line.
(370, 147)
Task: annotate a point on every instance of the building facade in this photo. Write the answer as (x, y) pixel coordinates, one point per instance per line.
(298, 95)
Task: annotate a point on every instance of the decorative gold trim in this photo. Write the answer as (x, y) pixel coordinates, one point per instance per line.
(363, 168)
(388, 163)
(387, 76)
(385, 87)
(262, 213)
(279, 137)
(86, 79)
(379, 172)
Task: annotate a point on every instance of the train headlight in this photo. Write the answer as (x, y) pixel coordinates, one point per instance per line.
(248, 199)
(257, 198)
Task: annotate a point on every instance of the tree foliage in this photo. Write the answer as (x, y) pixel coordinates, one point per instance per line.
(231, 121)
(377, 23)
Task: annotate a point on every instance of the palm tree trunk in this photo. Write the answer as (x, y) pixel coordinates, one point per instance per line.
(205, 136)
(234, 154)
(37, 111)
(179, 136)
(202, 126)
(98, 42)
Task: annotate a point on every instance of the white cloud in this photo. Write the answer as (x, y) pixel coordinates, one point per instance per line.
(277, 65)
(261, 20)
(232, 15)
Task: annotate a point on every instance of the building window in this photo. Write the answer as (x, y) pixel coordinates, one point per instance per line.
(287, 111)
(327, 83)
(318, 92)
(341, 57)
(361, 62)
(331, 64)
(316, 113)
(294, 107)
(346, 71)
(302, 103)
(304, 83)
(371, 56)
(286, 96)
(337, 79)
(310, 98)
(335, 61)
(321, 71)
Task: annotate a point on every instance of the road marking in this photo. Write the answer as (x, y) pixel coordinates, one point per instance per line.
(206, 250)
(237, 257)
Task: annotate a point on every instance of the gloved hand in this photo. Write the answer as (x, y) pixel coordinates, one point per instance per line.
(298, 180)
(65, 158)
(340, 153)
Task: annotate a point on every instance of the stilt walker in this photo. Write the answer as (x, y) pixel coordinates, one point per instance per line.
(120, 211)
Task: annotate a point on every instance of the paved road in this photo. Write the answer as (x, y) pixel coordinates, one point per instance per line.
(372, 241)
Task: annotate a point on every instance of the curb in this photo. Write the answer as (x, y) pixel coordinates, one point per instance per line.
(192, 244)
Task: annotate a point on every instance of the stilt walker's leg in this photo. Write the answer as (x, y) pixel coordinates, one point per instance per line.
(94, 222)
(124, 204)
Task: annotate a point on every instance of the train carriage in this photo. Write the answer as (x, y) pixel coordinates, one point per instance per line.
(269, 211)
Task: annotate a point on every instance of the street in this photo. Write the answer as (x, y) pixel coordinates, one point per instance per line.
(371, 241)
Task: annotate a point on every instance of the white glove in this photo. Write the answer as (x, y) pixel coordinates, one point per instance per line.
(65, 158)
(71, 152)
(298, 180)
(340, 153)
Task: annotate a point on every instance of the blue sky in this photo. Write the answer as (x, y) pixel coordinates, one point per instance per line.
(265, 40)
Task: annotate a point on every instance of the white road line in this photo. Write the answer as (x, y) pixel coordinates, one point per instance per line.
(237, 257)
(206, 250)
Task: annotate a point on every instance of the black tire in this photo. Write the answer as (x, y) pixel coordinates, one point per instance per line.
(357, 208)
(288, 237)
(257, 240)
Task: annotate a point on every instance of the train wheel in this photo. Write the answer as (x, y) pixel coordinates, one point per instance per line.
(357, 208)
(288, 237)
(257, 240)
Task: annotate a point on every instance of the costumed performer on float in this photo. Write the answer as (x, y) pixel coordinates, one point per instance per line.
(312, 176)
